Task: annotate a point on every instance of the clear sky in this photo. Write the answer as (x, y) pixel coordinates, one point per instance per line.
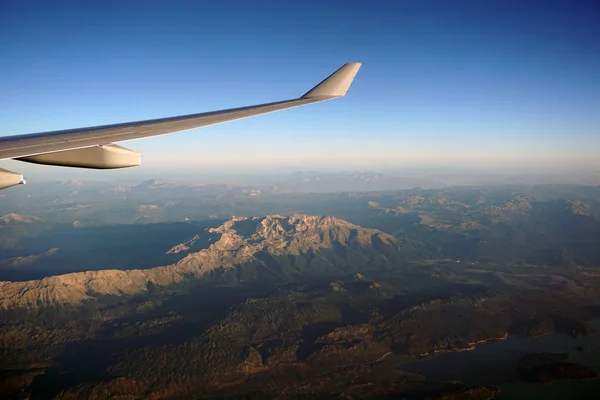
(483, 83)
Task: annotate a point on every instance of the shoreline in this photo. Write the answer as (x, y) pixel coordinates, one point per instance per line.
(471, 347)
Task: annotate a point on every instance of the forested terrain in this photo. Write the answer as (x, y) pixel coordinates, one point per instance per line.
(290, 303)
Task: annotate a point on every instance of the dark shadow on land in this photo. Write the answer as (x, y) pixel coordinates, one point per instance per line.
(131, 246)
(85, 361)
(88, 360)
(309, 336)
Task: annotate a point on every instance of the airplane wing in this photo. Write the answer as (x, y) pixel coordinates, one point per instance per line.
(93, 147)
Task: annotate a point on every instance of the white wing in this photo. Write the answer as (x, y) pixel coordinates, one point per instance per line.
(92, 147)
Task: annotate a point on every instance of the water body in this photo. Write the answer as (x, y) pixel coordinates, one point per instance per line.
(494, 363)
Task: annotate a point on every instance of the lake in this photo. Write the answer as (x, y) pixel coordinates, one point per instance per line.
(494, 363)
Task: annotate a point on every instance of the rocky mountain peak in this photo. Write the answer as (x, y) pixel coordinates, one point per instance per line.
(295, 234)
(8, 219)
(578, 207)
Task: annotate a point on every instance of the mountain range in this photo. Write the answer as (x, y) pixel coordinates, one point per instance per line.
(271, 247)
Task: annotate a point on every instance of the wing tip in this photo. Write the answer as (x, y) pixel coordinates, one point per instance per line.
(336, 84)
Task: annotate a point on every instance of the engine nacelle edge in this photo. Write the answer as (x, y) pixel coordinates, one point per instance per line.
(9, 178)
(108, 156)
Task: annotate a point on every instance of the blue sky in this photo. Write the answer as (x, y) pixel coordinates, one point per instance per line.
(474, 83)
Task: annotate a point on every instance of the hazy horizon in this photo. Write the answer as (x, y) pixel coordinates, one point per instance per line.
(414, 176)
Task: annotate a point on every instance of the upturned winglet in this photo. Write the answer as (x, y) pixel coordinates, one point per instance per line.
(336, 84)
